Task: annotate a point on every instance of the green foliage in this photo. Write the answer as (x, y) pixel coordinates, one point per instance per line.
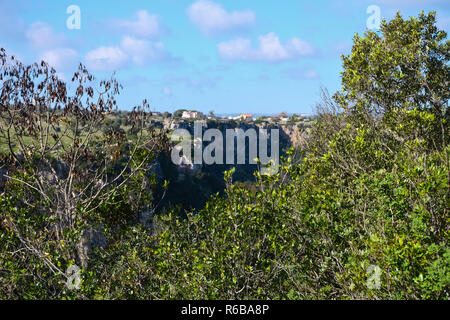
(178, 113)
(372, 191)
(406, 66)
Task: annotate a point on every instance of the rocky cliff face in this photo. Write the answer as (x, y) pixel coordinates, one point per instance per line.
(294, 134)
(191, 185)
(289, 135)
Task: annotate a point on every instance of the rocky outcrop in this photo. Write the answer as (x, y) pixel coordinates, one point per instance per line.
(296, 134)
(290, 135)
(91, 238)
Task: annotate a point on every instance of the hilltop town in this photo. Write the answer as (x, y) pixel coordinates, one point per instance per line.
(282, 118)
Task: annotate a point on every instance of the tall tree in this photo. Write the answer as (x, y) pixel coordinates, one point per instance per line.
(405, 65)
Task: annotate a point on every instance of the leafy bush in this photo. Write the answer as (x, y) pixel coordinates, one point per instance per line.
(364, 215)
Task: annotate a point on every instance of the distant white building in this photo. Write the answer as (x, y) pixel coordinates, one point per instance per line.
(246, 116)
(190, 115)
(242, 117)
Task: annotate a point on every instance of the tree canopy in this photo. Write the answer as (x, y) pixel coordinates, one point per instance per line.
(363, 215)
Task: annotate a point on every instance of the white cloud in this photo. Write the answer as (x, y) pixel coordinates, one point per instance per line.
(106, 58)
(143, 25)
(135, 47)
(139, 52)
(51, 46)
(60, 58)
(143, 51)
(298, 47)
(237, 49)
(301, 73)
(270, 49)
(311, 74)
(42, 36)
(167, 91)
(211, 17)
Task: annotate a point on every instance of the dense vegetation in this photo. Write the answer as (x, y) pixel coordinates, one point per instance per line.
(371, 193)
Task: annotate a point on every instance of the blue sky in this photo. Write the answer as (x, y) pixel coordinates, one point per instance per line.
(230, 56)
